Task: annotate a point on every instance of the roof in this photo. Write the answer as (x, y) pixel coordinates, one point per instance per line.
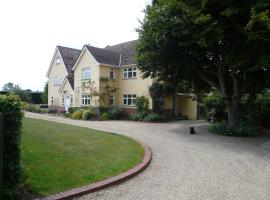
(104, 56)
(127, 51)
(70, 78)
(69, 56)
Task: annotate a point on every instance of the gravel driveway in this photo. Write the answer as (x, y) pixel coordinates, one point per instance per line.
(199, 167)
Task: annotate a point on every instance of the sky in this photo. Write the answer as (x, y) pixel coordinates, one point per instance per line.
(31, 29)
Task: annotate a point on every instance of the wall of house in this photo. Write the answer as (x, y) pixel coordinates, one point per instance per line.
(138, 86)
(86, 60)
(56, 70)
(67, 91)
(186, 106)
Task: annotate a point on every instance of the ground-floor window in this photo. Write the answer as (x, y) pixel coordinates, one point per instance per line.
(86, 99)
(51, 100)
(71, 99)
(111, 100)
(129, 99)
(63, 99)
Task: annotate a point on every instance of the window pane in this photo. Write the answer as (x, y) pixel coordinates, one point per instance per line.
(129, 101)
(134, 74)
(129, 74)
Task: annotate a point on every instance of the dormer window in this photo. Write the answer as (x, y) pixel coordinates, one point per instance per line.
(57, 60)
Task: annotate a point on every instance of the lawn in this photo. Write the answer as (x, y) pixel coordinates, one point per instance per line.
(57, 157)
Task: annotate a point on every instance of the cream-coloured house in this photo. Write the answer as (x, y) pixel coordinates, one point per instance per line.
(103, 78)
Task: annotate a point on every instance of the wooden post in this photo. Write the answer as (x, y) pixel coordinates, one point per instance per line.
(1, 153)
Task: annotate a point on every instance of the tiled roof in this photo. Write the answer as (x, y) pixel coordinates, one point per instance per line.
(69, 56)
(104, 56)
(127, 51)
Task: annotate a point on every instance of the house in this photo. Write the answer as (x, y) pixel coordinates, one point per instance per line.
(102, 78)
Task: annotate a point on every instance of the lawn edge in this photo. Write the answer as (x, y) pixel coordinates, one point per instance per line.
(76, 192)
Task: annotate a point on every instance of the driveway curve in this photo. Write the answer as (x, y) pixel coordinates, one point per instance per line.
(187, 167)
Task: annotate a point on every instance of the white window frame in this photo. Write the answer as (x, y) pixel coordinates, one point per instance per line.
(52, 100)
(111, 98)
(129, 99)
(112, 72)
(86, 75)
(129, 72)
(86, 100)
(57, 80)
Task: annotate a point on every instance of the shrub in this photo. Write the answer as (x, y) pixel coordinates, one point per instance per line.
(244, 129)
(77, 114)
(154, 117)
(137, 117)
(88, 114)
(115, 113)
(67, 115)
(10, 107)
(105, 116)
(142, 104)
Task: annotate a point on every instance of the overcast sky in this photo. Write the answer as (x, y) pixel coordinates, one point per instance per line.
(31, 29)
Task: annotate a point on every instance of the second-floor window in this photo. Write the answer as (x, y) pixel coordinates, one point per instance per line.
(112, 73)
(130, 72)
(86, 73)
(57, 80)
(86, 99)
(57, 60)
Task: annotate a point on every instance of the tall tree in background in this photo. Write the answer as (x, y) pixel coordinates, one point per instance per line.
(16, 89)
(224, 44)
(45, 94)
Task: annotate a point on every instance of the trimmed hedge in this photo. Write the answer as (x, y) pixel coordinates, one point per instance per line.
(10, 107)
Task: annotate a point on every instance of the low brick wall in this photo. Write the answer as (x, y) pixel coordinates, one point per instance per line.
(57, 108)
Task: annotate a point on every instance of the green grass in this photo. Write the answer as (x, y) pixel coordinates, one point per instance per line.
(57, 157)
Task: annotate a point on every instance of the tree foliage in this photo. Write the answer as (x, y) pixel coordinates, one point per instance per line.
(45, 94)
(208, 43)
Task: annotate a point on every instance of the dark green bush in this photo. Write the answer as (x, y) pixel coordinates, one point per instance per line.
(137, 117)
(88, 114)
(77, 114)
(244, 129)
(115, 113)
(105, 116)
(142, 104)
(10, 108)
(154, 117)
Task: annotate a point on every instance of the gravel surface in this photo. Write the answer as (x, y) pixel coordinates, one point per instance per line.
(187, 167)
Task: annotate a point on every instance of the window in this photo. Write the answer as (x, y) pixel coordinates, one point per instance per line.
(71, 99)
(112, 73)
(85, 99)
(86, 73)
(129, 99)
(130, 72)
(63, 99)
(111, 100)
(57, 80)
(57, 60)
(51, 100)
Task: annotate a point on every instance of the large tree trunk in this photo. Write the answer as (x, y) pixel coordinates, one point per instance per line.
(233, 113)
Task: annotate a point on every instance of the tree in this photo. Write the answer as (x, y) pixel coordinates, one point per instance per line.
(45, 94)
(209, 43)
(16, 89)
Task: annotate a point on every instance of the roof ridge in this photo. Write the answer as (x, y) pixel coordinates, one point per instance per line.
(102, 49)
(68, 47)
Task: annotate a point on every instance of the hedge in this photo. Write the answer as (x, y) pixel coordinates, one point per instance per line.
(10, 108)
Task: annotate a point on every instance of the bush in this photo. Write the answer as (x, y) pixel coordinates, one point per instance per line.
(154, 117)
(137, 117)
(115, 113)
(244, 129)
(10, 107)
(77, 114)
(142, 104)
(105, 116)
(36, 108)
(88, 114)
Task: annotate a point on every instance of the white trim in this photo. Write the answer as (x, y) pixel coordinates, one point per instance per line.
(79, 58)
(107, 65)
(52, 61)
